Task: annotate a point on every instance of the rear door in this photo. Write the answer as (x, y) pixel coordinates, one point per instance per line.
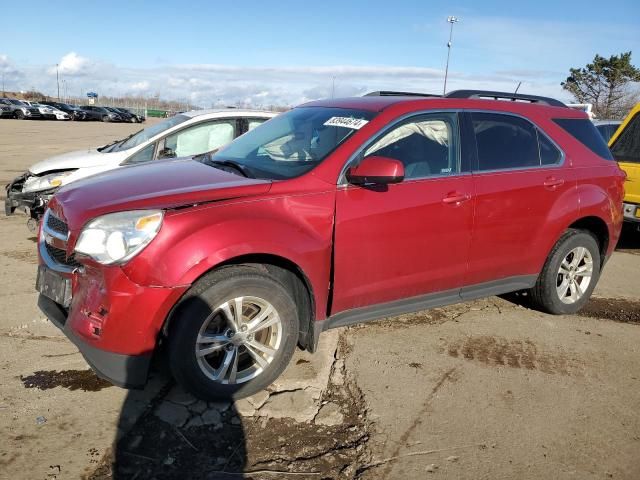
(519, 181)
(410, 238)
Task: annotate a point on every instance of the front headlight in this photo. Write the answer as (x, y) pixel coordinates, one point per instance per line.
(45, 182)
(118, 237)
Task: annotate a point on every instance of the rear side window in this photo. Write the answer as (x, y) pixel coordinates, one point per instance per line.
(627, 146)
(505, 142)
(586, 133)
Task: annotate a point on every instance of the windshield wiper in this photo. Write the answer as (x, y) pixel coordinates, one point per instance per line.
(238, 167)
(117, 141)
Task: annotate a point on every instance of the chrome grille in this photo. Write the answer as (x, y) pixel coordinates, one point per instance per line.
(57, 225)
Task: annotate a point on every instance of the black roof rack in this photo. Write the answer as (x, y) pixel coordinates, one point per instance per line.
(505, 96)
(389, 93)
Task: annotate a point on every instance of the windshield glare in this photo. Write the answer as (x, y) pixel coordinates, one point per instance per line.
(294, 142)
(150, 132)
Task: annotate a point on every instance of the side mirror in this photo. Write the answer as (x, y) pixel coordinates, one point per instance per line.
(376, 170)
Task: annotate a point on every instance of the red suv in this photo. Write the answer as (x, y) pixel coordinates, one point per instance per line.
(333, 213)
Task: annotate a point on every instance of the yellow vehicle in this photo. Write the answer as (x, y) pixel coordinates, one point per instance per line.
(625, 147)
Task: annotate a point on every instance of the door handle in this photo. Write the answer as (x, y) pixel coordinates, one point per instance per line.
(455, 198)
(552, 183)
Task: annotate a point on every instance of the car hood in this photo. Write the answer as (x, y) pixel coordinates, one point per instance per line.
(161, 184)
(71, 160)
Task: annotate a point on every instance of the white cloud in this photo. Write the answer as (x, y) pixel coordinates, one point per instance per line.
(262, 86)
(140, 86)
(72, 64)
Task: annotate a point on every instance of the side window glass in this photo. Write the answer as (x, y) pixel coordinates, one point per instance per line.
(504, 142)
(144, 155)
(200, 138)
(254, 122)
(426, 145)
(549, 153)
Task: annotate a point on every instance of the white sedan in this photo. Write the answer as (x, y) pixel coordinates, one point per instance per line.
(183, 135)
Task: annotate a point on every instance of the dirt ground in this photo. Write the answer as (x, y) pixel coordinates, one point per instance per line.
(485, 389)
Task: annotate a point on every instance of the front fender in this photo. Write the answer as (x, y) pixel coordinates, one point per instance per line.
(195, 240)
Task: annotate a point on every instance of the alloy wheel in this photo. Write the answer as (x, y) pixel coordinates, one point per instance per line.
(238, 340)
(574, 275)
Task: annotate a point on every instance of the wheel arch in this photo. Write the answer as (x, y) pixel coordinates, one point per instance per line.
(599, 229)
(286, 272)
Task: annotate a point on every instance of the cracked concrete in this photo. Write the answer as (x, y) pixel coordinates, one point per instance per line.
(296, 394)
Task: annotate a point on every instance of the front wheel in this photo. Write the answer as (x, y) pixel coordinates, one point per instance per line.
(233, 334)
(569, 275)
(105, 118)
(19, 115)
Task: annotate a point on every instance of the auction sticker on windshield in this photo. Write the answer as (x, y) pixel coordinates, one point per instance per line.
(346, 122)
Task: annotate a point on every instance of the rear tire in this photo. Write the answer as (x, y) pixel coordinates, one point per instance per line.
(569, 275)
(216, 358)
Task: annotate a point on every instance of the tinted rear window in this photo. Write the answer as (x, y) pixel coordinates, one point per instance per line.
(586, 133)
(626, 148)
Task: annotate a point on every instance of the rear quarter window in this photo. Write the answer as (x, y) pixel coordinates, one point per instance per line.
(586, 133)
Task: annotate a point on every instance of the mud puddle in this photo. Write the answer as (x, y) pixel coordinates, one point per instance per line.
(617, 309)
(84, 380)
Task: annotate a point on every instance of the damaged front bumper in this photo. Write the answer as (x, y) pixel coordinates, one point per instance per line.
(33, 203)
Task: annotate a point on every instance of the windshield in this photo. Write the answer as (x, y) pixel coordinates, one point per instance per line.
(627, 146)
(148, 133)
(294, 142)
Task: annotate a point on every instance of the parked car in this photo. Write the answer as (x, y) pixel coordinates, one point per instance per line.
(100, 113)
(76, 113)
(333, 213)
(138, 118)
(57, 113)
(18, 109)
(124, 117)
(607, 128)
(184, 135)
(625, 147)
(50, 113)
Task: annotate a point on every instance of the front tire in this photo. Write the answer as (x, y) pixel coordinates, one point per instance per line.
(233, 334)
(570, 274)
(105, 118)
(19, 115)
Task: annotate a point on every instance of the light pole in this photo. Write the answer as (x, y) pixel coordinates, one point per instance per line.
(451, 19)
(58, 81)
(333, 86)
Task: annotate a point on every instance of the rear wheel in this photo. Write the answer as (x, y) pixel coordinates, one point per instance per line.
(233, 334)
(569, 275)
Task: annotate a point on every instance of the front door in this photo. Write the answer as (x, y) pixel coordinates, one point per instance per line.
(410, 238)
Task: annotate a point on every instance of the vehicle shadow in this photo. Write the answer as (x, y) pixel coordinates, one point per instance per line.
(165, 433)
(629, 238)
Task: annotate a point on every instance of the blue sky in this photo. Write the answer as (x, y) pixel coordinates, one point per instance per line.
(289, 51)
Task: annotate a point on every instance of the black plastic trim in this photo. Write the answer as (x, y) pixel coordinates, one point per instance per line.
(423, 302)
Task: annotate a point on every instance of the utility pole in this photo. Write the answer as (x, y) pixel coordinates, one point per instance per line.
(58, 81)
(333, 86)
(451, 20)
